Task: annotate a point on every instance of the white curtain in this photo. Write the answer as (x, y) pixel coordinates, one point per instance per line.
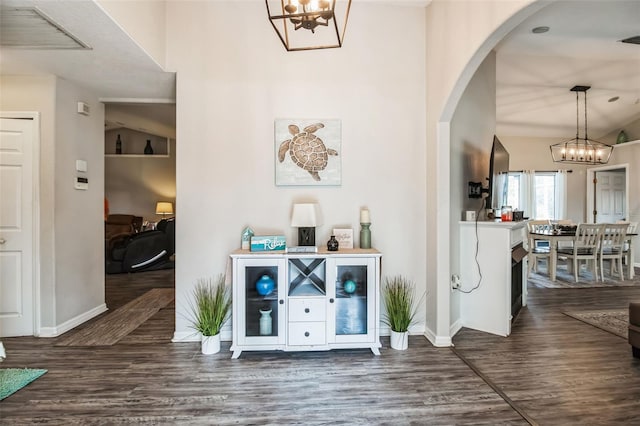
(561, 195)
(528, 193)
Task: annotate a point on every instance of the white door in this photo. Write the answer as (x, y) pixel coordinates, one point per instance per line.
(17, 137)
(610, 196)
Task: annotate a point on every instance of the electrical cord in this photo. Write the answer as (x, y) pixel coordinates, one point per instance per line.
(476, 255)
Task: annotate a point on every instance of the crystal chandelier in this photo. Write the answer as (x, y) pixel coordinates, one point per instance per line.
(581, 150)
(309, 24)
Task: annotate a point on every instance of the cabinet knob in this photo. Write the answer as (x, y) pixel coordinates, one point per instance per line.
(2, 241)
(281, 301)
(306, 334)
(331, 300)
(306, 310)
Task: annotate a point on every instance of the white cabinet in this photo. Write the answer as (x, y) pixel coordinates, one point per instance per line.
(319, 301)
(493, 275)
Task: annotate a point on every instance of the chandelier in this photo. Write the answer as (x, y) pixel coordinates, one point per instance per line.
(309, 24)
(581, 150)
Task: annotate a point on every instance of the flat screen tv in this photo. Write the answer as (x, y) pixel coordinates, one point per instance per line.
(498, 176)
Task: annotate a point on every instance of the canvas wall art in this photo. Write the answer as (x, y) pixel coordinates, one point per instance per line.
(308, 152)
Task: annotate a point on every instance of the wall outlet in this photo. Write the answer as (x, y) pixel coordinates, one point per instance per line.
(475, 190)
(455, 281)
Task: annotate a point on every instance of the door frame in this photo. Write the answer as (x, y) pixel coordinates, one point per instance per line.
(591, 173)
(34, 116)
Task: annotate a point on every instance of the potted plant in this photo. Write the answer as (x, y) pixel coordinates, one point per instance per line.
(211, 308)
(401, 307)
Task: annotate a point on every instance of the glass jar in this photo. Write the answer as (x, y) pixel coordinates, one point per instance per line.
(506, 214)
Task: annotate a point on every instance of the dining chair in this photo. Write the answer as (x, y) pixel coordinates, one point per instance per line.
(632, 228)
(612, 243)
(538, 247)
(561, 223)
(585, 247)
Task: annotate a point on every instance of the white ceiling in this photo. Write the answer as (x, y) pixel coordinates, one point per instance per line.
(534, 71)
(582, 47)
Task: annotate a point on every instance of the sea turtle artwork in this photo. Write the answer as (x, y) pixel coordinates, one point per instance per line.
(306, 149)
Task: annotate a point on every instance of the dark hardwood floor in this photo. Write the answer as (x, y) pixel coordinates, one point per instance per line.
(553, 369)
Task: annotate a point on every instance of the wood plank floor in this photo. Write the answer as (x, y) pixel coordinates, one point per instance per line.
(553, 368)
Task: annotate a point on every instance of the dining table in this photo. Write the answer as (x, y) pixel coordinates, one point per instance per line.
(554, 236)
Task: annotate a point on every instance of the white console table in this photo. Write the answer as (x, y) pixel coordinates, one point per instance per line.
(489, 307)
(310, 308)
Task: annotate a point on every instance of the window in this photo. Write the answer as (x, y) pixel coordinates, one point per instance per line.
(545, 189)
(538, 194)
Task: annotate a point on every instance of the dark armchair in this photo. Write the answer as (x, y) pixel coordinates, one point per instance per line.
(117, 224)
(144, 251)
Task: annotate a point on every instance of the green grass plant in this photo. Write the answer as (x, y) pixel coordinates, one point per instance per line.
(211, 305)
(398, 295)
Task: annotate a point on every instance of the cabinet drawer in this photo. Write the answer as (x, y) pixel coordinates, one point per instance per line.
(307, 333)
(307, 310)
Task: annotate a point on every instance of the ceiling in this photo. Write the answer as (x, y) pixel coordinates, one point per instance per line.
(534, 71)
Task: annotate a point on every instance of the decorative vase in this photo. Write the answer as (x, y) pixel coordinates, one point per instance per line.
(211, 344)
(118, 145)
(399, 340)
(365, 236)
(265, 285)
(349, 286)
(148, 149)
(332, 244)
(622, 137)
(265, 322)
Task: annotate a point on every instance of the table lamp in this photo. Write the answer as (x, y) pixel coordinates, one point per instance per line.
(164, 208)
(306, 217)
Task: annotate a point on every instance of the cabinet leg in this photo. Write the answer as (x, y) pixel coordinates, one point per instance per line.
(375, 351)
(236, 354)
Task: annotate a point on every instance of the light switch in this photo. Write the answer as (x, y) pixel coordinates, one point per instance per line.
(81, 165)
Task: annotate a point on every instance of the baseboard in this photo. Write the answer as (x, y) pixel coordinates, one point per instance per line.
(455, 327)
(438, 341)
(72, 323)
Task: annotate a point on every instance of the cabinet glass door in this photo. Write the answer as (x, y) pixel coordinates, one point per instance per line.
(261, 292)
(354, 302)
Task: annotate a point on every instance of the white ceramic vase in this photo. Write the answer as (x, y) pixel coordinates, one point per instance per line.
(211, 344)
(399, 340)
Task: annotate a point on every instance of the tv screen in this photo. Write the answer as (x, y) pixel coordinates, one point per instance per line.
(498, 176)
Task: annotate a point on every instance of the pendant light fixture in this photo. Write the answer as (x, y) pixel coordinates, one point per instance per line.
(581, 150)
(309, 24)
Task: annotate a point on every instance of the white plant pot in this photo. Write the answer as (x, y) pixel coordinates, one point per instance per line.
(399, 340)
(211, 344)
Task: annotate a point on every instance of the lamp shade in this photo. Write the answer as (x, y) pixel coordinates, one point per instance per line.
(164, 208)
(306, 215)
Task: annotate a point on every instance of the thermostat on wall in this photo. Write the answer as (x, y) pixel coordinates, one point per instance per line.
(82, 183)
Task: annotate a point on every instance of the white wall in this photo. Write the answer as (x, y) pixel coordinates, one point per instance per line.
(71, 247)
(472, 129)
(460, 34)
(79, 244)
(232, 88)
(143, 21)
